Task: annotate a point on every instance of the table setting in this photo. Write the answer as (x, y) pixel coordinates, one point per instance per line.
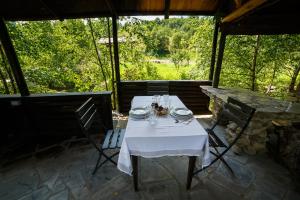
(152, 112)
(161, 126)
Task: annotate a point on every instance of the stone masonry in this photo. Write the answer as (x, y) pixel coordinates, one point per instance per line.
(267, 109)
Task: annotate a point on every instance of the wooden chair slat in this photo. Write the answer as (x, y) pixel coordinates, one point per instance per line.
(214, 140)
(90, 120)
(88, 115)
(237, 111)
(114, 140)
(107, 139)
(230, 116)
(121, 137)
(82, 109)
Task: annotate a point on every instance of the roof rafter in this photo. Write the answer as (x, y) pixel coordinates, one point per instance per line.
(242, 10)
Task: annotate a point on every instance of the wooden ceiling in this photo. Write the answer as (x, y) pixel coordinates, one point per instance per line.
(238, 16)
(62, 9)
(274, 17)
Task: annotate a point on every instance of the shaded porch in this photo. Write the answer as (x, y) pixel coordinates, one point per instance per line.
(67, 175)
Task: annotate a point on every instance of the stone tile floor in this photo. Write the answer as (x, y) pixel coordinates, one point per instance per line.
(67, 175)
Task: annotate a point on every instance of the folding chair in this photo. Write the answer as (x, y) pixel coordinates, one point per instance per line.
(234, 111)
(86, 115)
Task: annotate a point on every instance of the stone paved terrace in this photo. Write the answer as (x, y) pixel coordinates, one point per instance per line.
(67, 175)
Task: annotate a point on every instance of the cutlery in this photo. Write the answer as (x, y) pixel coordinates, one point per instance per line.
(188, 121)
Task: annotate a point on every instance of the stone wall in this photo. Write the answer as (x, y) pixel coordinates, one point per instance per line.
(254, 138)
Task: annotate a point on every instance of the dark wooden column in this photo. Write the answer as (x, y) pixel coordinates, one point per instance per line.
(217, 73)
(167, 9)
(214, 49)
(135, 172)
(116, 58)
(192, 161)
(13, 59)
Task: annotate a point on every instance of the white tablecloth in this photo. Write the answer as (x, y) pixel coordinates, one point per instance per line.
(165, 138)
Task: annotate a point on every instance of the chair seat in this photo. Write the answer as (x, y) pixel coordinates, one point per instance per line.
(113, 139)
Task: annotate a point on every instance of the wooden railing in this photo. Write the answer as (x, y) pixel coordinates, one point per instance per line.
(48, 115)
(52, 115)
(188, 91)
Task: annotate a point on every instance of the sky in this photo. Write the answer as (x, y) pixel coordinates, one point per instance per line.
(150, 18)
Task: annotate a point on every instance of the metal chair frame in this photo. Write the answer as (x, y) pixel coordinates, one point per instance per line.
(234, 111)
(86, 115)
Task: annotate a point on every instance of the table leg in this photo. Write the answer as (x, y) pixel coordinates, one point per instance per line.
(192, 161)
(134, 160)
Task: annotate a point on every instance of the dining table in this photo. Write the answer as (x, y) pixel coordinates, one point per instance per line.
(167, 136)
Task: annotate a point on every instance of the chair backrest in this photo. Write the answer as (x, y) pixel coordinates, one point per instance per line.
(237, 112)
(86, 115)
(157, 87)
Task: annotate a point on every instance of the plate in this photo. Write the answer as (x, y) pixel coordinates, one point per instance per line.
(182, 112)
(139, 112)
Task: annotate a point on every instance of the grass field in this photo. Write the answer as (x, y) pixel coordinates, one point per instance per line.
(167, 70)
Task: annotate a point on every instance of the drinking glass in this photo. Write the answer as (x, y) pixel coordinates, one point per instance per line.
(156, 99)
(131, 104)
(170, 104)
(166, 100)
(152, 118)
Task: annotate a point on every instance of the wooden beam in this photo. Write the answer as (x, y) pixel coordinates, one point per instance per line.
(237, 3)
(110, 5)
(219, 61)
(245, 8)
(214, 49)
(13, 59)
(167, 9)
(47, 7)
(261, 27)
(116, 58)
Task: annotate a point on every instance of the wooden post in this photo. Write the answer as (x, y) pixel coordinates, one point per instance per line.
(97, 52)
(217, 73)
(167, 9)
(214, 49)
(8, 70)
(116, 57)
(192, 161)
(13, 59)
(113, 84)
(135, 172)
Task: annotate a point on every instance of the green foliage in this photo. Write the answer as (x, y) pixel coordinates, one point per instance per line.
(276, 61)
(59, 56)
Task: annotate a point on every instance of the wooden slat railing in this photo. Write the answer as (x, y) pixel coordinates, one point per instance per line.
(48, 115)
